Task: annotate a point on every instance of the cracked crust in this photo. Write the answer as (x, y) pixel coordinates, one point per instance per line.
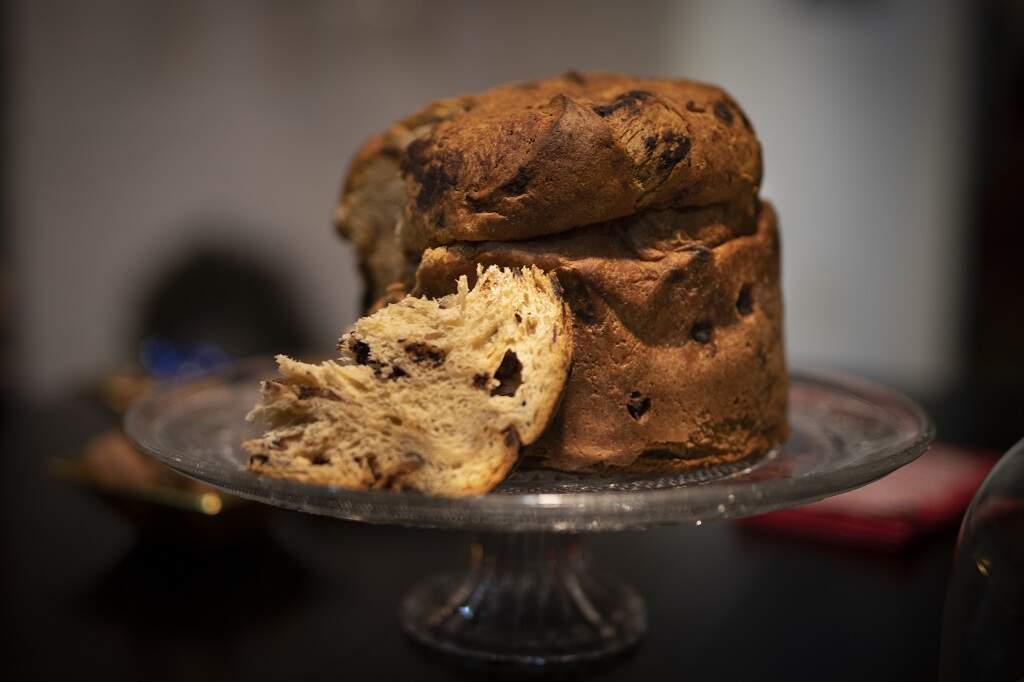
(679, 358)
(542, 157)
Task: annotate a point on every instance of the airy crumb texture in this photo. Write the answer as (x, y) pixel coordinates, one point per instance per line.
(435, 395)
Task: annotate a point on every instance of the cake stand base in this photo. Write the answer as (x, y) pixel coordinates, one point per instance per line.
(526, 599)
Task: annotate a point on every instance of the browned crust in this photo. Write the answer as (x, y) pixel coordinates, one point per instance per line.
(363, 214)
(536, 158)
(542, 157)
(675, 331)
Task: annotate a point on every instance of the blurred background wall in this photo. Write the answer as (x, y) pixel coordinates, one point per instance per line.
(137, 131)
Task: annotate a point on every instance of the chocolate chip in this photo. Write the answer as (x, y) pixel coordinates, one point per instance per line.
(701, 331)
(426, 354)
(434, 181)
(677, 149)
(361, 350)
(436, 173)
(509, 374)
(695, 107)
(307, 392)
(626, 99)
(638, 405)
(577, 295)
(723, 112)
(519, 318)
(415, 155)
(650, 142)
(481, 381)
(745, 301)
(397, 373)
(511, 437)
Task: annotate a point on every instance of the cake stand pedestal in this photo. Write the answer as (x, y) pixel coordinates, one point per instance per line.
(528, 598)
(529, 595)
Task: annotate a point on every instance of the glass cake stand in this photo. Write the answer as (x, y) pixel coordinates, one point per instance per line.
(529, 595)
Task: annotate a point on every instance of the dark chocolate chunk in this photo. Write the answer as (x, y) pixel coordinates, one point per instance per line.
(434, 181)
(435, 173)
(745, 301)
(426, 354)
(638, 405)
(481, 380)
(577, 295)
(415, 156)
(650, 142)
(511, 437)
(701, 331)
(361, 350)
(626, 99)
(307, 392)
(723, 113)
(677, 149)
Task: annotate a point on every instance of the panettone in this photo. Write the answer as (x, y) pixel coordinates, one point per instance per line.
(641, 195)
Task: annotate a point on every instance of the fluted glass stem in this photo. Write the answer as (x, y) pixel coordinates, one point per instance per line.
(527, 599)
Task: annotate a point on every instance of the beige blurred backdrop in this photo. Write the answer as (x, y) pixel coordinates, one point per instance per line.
(133, 124)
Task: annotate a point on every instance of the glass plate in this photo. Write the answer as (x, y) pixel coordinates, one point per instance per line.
(845, 432)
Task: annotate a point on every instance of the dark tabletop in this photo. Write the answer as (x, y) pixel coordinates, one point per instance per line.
(268, 594)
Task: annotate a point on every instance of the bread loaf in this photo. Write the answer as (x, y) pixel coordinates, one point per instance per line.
(435, 395)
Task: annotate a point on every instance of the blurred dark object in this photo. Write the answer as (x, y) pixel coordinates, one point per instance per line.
(983, 632)
(926, 496)
(991, 398)
(148, 493)
(213, 304)
(209, 307)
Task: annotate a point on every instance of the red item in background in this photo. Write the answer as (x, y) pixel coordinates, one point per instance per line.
(927, 495)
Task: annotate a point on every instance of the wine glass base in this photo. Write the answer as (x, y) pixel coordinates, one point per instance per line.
(526, 600)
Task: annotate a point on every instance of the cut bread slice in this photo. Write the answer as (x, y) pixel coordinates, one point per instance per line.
(435, 395)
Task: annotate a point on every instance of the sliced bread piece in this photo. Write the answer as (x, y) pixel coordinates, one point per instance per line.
(435, 395)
